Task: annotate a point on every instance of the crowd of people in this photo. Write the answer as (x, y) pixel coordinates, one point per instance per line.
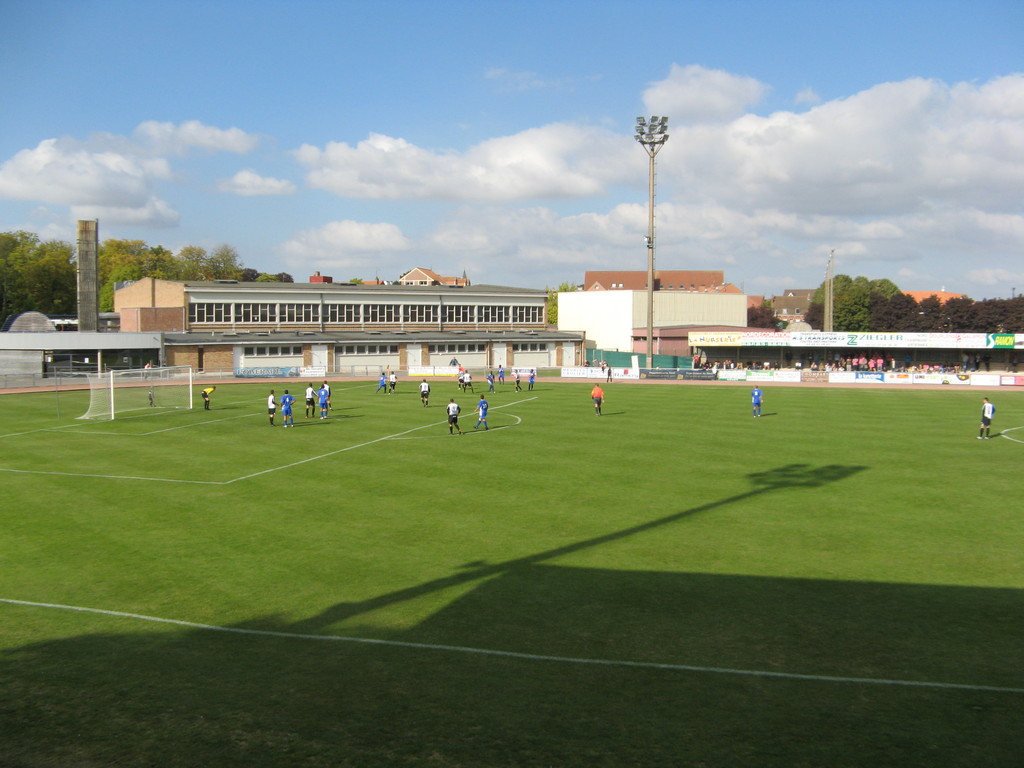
(861, 362)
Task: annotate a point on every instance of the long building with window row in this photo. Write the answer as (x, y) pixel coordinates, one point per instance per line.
(345, 326)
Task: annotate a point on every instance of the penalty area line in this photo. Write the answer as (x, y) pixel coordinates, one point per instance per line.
(527, 656)
(1002, 433)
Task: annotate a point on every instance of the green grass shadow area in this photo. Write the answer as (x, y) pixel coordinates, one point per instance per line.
(195, 696)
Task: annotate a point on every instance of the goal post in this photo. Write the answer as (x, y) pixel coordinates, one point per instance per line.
(115, 392)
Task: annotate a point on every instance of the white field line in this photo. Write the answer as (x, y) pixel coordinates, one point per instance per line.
(396, 435)
(71, 428)
(530, 656)
(1011, 429)
(158, 431)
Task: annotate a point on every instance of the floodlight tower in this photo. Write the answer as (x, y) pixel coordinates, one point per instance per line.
(652, 137)
(830, 299)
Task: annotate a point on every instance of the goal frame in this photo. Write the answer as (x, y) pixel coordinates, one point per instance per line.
(104, 388)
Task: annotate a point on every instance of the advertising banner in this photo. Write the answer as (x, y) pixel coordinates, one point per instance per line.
(595, 372)
(697, 375)
(899, 378)
(266, 373)
(814, 376)
(941, 378)
(732, 374)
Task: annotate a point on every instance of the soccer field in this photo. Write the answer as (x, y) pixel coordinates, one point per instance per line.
(673, 583)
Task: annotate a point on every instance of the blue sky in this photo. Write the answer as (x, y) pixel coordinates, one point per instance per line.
(361, 139)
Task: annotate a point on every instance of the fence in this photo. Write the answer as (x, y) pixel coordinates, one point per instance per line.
(617, 359)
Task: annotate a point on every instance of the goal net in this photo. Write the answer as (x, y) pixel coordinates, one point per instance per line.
(115, 392)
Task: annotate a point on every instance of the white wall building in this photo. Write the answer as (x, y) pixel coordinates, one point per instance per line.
(609, 317)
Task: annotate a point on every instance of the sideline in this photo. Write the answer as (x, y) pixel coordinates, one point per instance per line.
(526, 656)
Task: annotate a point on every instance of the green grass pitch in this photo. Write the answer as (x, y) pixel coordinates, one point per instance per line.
(673, 583)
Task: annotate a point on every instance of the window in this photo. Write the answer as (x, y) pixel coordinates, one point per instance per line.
(492, 314)
(419, 313)
(444, 349)
(459, 313)
(532, 346)
(380, 313)
(274, 351)
(527, 314)
(255, 313)
(369, 349)
(300, 313)
(342, 313)
(209, 313)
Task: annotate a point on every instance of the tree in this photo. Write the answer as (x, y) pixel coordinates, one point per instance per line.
(852, 311)
(929, 313)
(762, 316)
(815, 314)
(284, 277)
(885, 287)
(50, 278)
(894, 313)
(223, 264)
(960, 315)
(858, 304)
(194, 263)
(15, 248)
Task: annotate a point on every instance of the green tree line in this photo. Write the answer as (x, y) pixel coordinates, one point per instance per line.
(40, 275)
(879, 306)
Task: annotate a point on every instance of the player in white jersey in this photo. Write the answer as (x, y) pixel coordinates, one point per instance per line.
(453, 417)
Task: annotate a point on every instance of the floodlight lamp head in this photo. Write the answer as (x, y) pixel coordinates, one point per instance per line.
(640, 121)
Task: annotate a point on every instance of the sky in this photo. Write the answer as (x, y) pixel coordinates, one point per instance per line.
(494, 139)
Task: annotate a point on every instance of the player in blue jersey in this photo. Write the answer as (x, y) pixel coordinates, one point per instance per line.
(481, 409)
(286, 409)
(382, 383)
(533, 378)
(322, 397)
(756, 398)
(490, 381)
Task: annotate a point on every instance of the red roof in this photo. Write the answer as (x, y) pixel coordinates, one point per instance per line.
(697, 281)
(942, 296)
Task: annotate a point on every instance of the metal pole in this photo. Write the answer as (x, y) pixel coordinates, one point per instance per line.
(650, 268)
(652, 137)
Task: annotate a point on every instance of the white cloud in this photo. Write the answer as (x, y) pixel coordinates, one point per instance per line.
(168, 138)
(366, 249)
(248, 183)
(553, 161)
(694, 94)
(113, 177)
(65, 172)
(807, 96)
(889, 150)
(154, 213)
(1001, 277)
